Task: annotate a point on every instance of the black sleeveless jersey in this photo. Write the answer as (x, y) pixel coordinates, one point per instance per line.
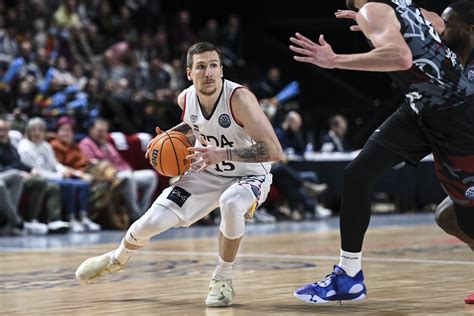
(437, 80)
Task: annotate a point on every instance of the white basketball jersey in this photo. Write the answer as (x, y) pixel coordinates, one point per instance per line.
(221, 130)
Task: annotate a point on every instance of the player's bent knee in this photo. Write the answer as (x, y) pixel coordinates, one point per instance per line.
(232, 224)
(240, 200)
(233, 208)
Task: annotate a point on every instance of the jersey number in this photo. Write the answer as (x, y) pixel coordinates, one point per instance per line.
(226, 166)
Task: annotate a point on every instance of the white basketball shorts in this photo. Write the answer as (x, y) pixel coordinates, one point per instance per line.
(196, 194)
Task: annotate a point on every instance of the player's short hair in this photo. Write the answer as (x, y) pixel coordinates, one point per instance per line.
(200, 48)
(465, 10)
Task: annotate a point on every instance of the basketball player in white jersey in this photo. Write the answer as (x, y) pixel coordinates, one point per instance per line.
(234, 143)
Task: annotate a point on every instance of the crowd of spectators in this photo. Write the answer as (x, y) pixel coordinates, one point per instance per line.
(99, 58)
(71, 72)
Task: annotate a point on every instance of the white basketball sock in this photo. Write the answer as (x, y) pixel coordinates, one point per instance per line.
(122, 254)
(351, 262)
(223, 270)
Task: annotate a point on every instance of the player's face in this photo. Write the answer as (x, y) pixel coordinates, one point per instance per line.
(206, 73)
(455, 30)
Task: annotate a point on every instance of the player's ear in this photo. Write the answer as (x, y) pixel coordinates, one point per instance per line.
(188, 74)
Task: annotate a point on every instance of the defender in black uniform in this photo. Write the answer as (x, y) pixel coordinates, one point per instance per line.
(458, 34)
(437, 116)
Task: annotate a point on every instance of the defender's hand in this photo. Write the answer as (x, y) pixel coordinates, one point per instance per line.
(320, 54)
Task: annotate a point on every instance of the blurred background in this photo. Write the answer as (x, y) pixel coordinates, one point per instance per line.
(98, 42)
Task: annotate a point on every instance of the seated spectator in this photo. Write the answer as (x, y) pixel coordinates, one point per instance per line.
(68, 154)
(301, 194)
(71, 31)
(268, 86)
(291, 140)
(11, 185)
(97, 148)
(334, 139)
(289, 133)
(36, 152)
(66, 16)
(120, 107)
(38, 190)
(299, 189)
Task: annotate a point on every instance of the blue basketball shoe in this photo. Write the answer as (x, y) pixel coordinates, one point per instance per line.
(337, 286)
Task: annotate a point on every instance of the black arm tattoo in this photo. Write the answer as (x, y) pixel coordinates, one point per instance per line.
(186, 130)
(182, 128)
(256, 153)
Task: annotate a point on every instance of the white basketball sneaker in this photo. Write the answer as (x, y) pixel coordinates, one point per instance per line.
(97, 267)
(221, 293)
(89, 225)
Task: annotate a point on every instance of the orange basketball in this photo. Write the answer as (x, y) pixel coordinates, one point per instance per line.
(168, 153)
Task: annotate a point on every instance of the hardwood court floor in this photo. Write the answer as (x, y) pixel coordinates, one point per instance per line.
(409, 271)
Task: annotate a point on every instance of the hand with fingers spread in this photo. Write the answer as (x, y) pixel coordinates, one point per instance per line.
(202, 157)
(153, 140)
(320, 54)
(351, 15)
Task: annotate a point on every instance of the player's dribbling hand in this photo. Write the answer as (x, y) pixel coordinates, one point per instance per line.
(348, 14)
(202, 157)
(158, 132)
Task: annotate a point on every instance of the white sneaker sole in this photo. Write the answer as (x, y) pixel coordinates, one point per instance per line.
(317, 300)
(223, 303)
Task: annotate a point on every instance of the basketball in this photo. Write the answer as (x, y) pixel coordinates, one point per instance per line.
(168, 153)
